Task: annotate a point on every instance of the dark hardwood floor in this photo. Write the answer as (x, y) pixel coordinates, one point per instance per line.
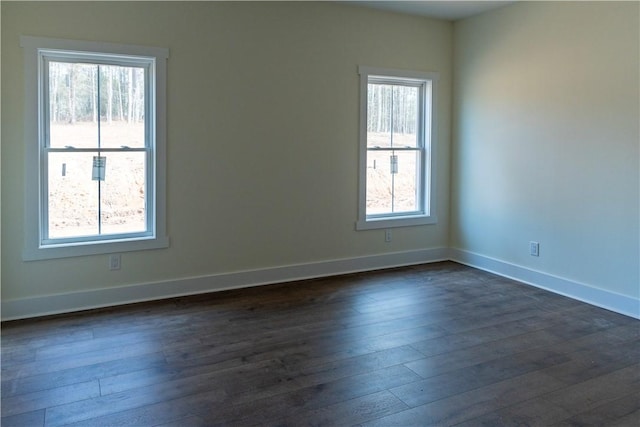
(431, 345)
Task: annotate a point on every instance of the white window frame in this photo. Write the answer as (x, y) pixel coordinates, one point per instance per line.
(427, 136)
(38, 50)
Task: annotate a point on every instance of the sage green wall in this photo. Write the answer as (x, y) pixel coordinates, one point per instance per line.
(546, 138)
(262, 133)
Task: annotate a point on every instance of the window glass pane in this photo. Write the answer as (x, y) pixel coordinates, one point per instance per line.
(406, 182)
(123, 193)
(392, 115)
(73, 105)
(405, 116)
(121, 106)
(392, 182)
(379, 183)
(73, 195)
(379, 105)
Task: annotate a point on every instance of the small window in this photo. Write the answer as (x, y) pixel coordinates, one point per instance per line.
(397, 138)
(95, 148)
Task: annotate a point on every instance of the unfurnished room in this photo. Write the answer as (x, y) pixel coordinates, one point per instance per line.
(331, 213)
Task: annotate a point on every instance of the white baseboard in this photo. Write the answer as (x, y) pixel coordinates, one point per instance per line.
(84, 300)
(601, 298)
(107, 297)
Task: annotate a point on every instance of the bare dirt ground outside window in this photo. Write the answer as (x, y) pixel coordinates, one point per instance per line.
(382, 186)
(73, 195)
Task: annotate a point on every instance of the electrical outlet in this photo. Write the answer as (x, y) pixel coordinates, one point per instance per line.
(114, 262)
(534, 248)
(387, 236)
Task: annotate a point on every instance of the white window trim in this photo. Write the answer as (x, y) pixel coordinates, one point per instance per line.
(365, 222)
(33, 245)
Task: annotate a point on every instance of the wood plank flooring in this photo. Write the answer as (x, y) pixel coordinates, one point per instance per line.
(431, 345)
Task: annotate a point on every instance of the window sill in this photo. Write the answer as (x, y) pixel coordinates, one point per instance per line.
(406, 221)
(94, 248)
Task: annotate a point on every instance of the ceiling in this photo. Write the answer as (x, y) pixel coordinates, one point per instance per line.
(451, 10)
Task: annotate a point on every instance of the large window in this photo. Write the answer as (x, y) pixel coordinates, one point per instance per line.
(95, 148)
(397, 138)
